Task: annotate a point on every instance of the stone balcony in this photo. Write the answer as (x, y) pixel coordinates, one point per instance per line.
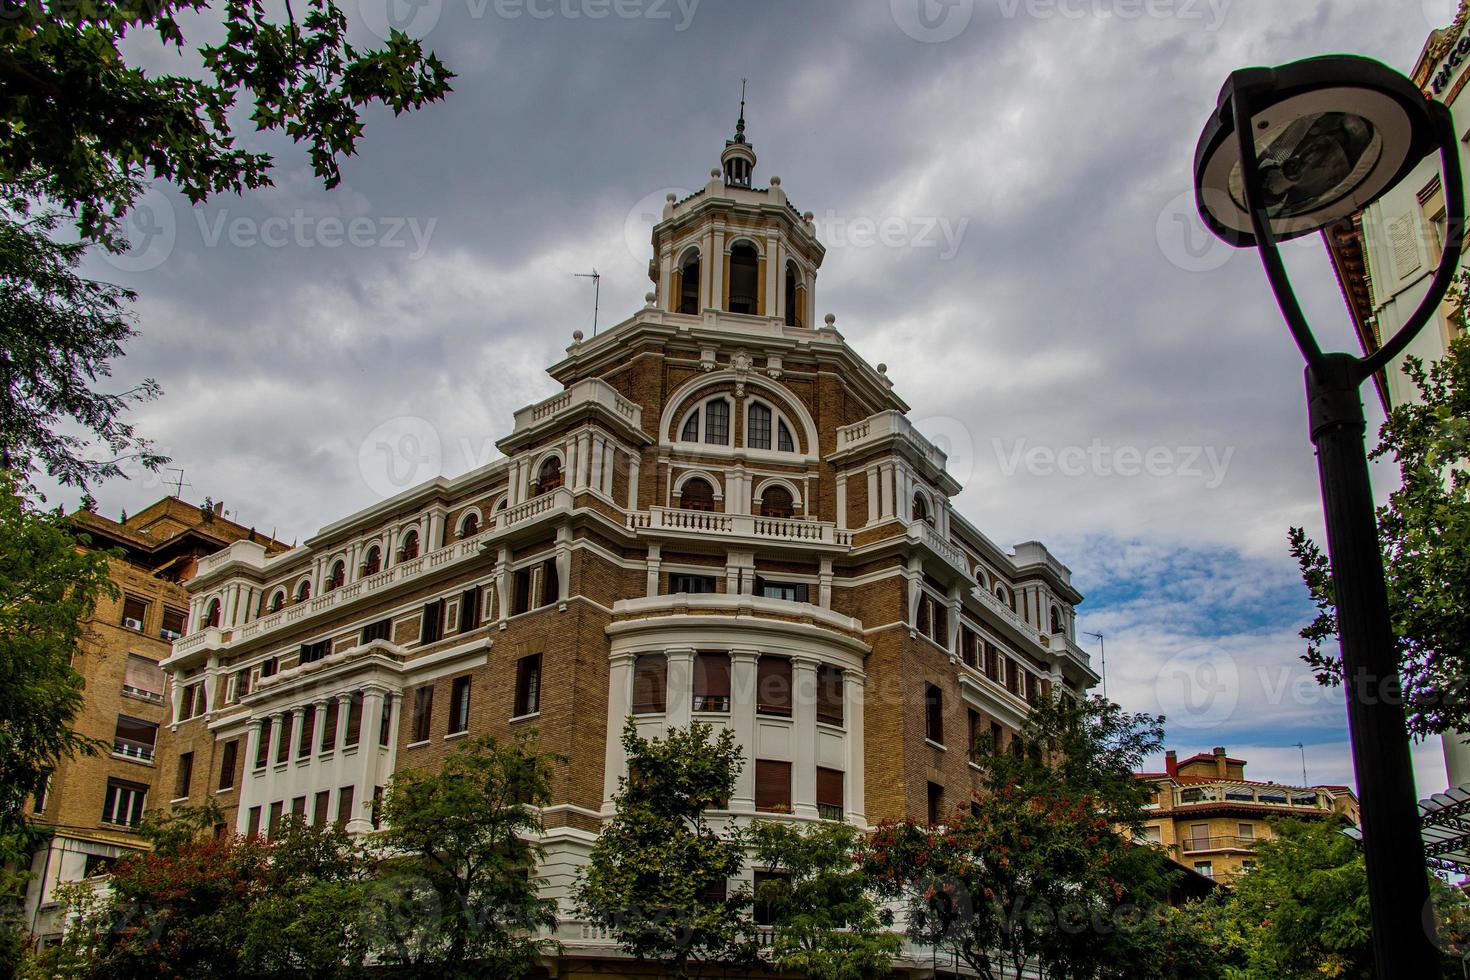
(738, 528)
(587, 397)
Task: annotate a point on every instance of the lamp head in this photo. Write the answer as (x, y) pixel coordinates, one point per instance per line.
(1331, 134)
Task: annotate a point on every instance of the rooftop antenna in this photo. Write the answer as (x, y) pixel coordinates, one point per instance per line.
(180, 483)
(1102, 649)
(1304, 764)
(596, 294)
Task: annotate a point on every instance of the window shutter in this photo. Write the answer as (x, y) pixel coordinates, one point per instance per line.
(829, 695)
(354, 720)
(773, 685)
(772, 786)
(650, 683)
(712, 682)
(142, 674)
(829, 787)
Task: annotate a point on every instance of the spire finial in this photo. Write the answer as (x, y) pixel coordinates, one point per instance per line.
(740, 123)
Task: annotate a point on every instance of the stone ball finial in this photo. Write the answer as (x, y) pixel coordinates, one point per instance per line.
(671, 197)
(775, 181)
(714, 171)
(830, 319)
(577, 335)
(882, 368)
(650, 298)
(808, 217)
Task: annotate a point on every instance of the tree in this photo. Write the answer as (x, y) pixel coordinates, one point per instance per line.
(220, 907)
(658, 877)
(49, 586)
(827, 923)
(1424, 533)
(81, 134)
(462, 863)
(1036, 874)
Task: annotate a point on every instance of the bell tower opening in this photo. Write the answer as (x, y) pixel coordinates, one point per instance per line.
(744, 278)
(688, 291)
(794, 296)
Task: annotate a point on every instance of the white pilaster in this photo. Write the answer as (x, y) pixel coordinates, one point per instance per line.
(854, 697)
(619, 706)
(742, 723)
(804, 737)
(841, 502)
(633, 482)
(679, 691)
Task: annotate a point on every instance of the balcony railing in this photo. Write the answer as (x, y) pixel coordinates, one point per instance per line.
(137, 692)
(1194, 845)
(775, 529)
(129, 749)
(829, 811)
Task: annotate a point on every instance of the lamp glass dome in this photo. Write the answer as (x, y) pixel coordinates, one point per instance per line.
(1331, 136)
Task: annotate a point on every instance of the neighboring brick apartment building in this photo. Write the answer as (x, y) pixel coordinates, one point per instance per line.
(1210, 818)
(724, 516)
(91, 804)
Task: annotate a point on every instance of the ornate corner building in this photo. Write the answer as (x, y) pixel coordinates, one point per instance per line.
(725, 515)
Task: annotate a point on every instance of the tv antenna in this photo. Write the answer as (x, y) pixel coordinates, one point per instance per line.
(596, 294)
(1303, 748)
(1102, 649)
(180, 483)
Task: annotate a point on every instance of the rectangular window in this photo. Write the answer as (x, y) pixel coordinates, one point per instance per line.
(973, 722)
(377, 807)
(789, 591)
(758, 427)
(469, 610)
(431, 626)
(692, 584)
(229, 756)
(992, 662)
(829, 793)
(329, 727)
(185, 775)
(283, 747)
(520, 593)
(252, 825)
(262, 750)
(1206, 868)
(936, 804)
(381, 630)
(765, 882)
(173, 623)
(385, 723)
(344, 804)
(773, 686)
(143, 678)
(312, 652)
(1199, 836)
(135, 612)
(550, 583)
(1013, 676)
(829, 695)
(528, 686)
(459, 706)
(423, 712)
(1247, 831)
(354, 720)
(970, 647)
(650, 684)
(308, 728)
(319, 807)
(134, 738)
(933, 714)
(43, 786)
(717, 423)
(273, 823)
(772, 786)
(123, 803)
(298, 808)
(997, 738)
(712, 682)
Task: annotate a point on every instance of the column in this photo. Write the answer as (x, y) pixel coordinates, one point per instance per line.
(344, 708)
(367, 761)
(775, 276)
(227, 614)
(716, 267)
(274, 748)
(595, 476)
(395, 707)
(633, 481)
(211, 677)
(885, 480)
(742, 723)
(853, 698)
(619, 706)
(298, 716)
(654, 553)
(872, 495)
(563, 564)
(502, 585)
(584, 444)
(905, 493)
(915, 576)
(952, 621)
(824, 587)
(606, 486)
(679, 690)
(804, 737)
(319, 726)
(248, 795)
(436, 531)
(841, 502)
(176, 693)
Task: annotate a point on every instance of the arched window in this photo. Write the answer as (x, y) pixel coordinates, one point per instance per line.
(690, 432)
(697, 494)
(776, 502)
(758, 426)
(338, 576)
(409, 550)
(784, 442)
(744, 276)
(212, 614)
(373, 563)
(549, 477)
(470, 526)
(1056, 620)
(922, 511)
(303, 591)
(793, 296)
(278, 601)
(500, 508)
(689, 283)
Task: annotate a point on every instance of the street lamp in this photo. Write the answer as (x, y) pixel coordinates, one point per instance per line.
(1290, 151)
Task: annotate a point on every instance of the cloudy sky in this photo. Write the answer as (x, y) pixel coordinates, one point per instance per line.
(1003, 189)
